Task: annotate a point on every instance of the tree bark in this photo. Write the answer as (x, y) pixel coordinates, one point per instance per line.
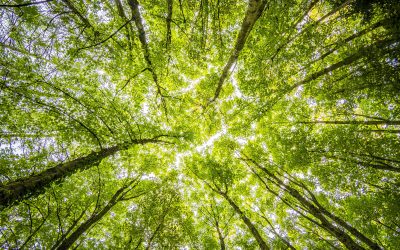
(352, 230)
(134, 5)
(220, 237)
(292, 38)
(253, 12)
(363, 52)
(344, 238)
(169, 19)
(350, 38)
(32, 186)
(315, 210)
(67, 243)
(246, 220)
(287, 243)
(379, 165)
(76, 12)
(129, 31)
(354, 122)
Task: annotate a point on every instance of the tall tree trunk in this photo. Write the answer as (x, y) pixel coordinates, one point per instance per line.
(31, 186)
(287, 243)
(76, 12)
(220, 237)
(352, 37)
(246, 220)
(129, 31)
(344, 238)
(352, 230)
(169, 20)
(376, 165)
(157, 230)
(134, 5)
(316, 23)
(361, 53)
(338, 220)
(253, 12)
(388, 122)
(317, 212)
(118, 196)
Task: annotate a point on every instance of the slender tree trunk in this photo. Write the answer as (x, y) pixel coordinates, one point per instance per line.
(169, 19)
(391, 131)
(315, 211)
(338, 220)
(375, 157)
(84, 227)
(76, 12)
(31, 186)
(380, 165)
(309, 8)
(253, 12)
(287, 243)
(129, 31)
(361, 53)
(153, 236)
(246, 220)
(294, 37)
(352, 230)
(118, 196)
(73, 225)
(134, 5)
(220, 237)
(342, 236)
(353, 122)
(350, 38)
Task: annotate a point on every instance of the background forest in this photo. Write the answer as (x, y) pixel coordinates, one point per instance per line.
(199, 124)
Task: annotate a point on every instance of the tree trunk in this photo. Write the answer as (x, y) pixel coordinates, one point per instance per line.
(32, 186)
(76, 12)
(363, 52)
(253, 12)
(169, 19)
(134, 5)
(352, 37)
(129, 31)
(352, 230)
(339, 221)
(379, 165)
(67, 243)
(354, 122)
(342, 236)
(84, 227)
(246, 221)
(287, 243)
(298, 34)
(221, 238)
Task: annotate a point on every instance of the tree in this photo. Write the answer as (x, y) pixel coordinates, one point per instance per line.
(181, 124)
(120, 195)
(33, 185)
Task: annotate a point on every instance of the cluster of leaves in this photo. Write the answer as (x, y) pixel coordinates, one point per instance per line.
(182, 124)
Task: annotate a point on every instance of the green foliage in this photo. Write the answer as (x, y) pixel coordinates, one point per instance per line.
(311, 104)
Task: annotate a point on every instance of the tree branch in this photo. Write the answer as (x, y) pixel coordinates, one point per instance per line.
(23, 4)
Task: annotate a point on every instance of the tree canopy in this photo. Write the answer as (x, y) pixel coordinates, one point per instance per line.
(209, 124)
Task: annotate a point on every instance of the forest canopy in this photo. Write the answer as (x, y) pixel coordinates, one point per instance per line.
(199, 124)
